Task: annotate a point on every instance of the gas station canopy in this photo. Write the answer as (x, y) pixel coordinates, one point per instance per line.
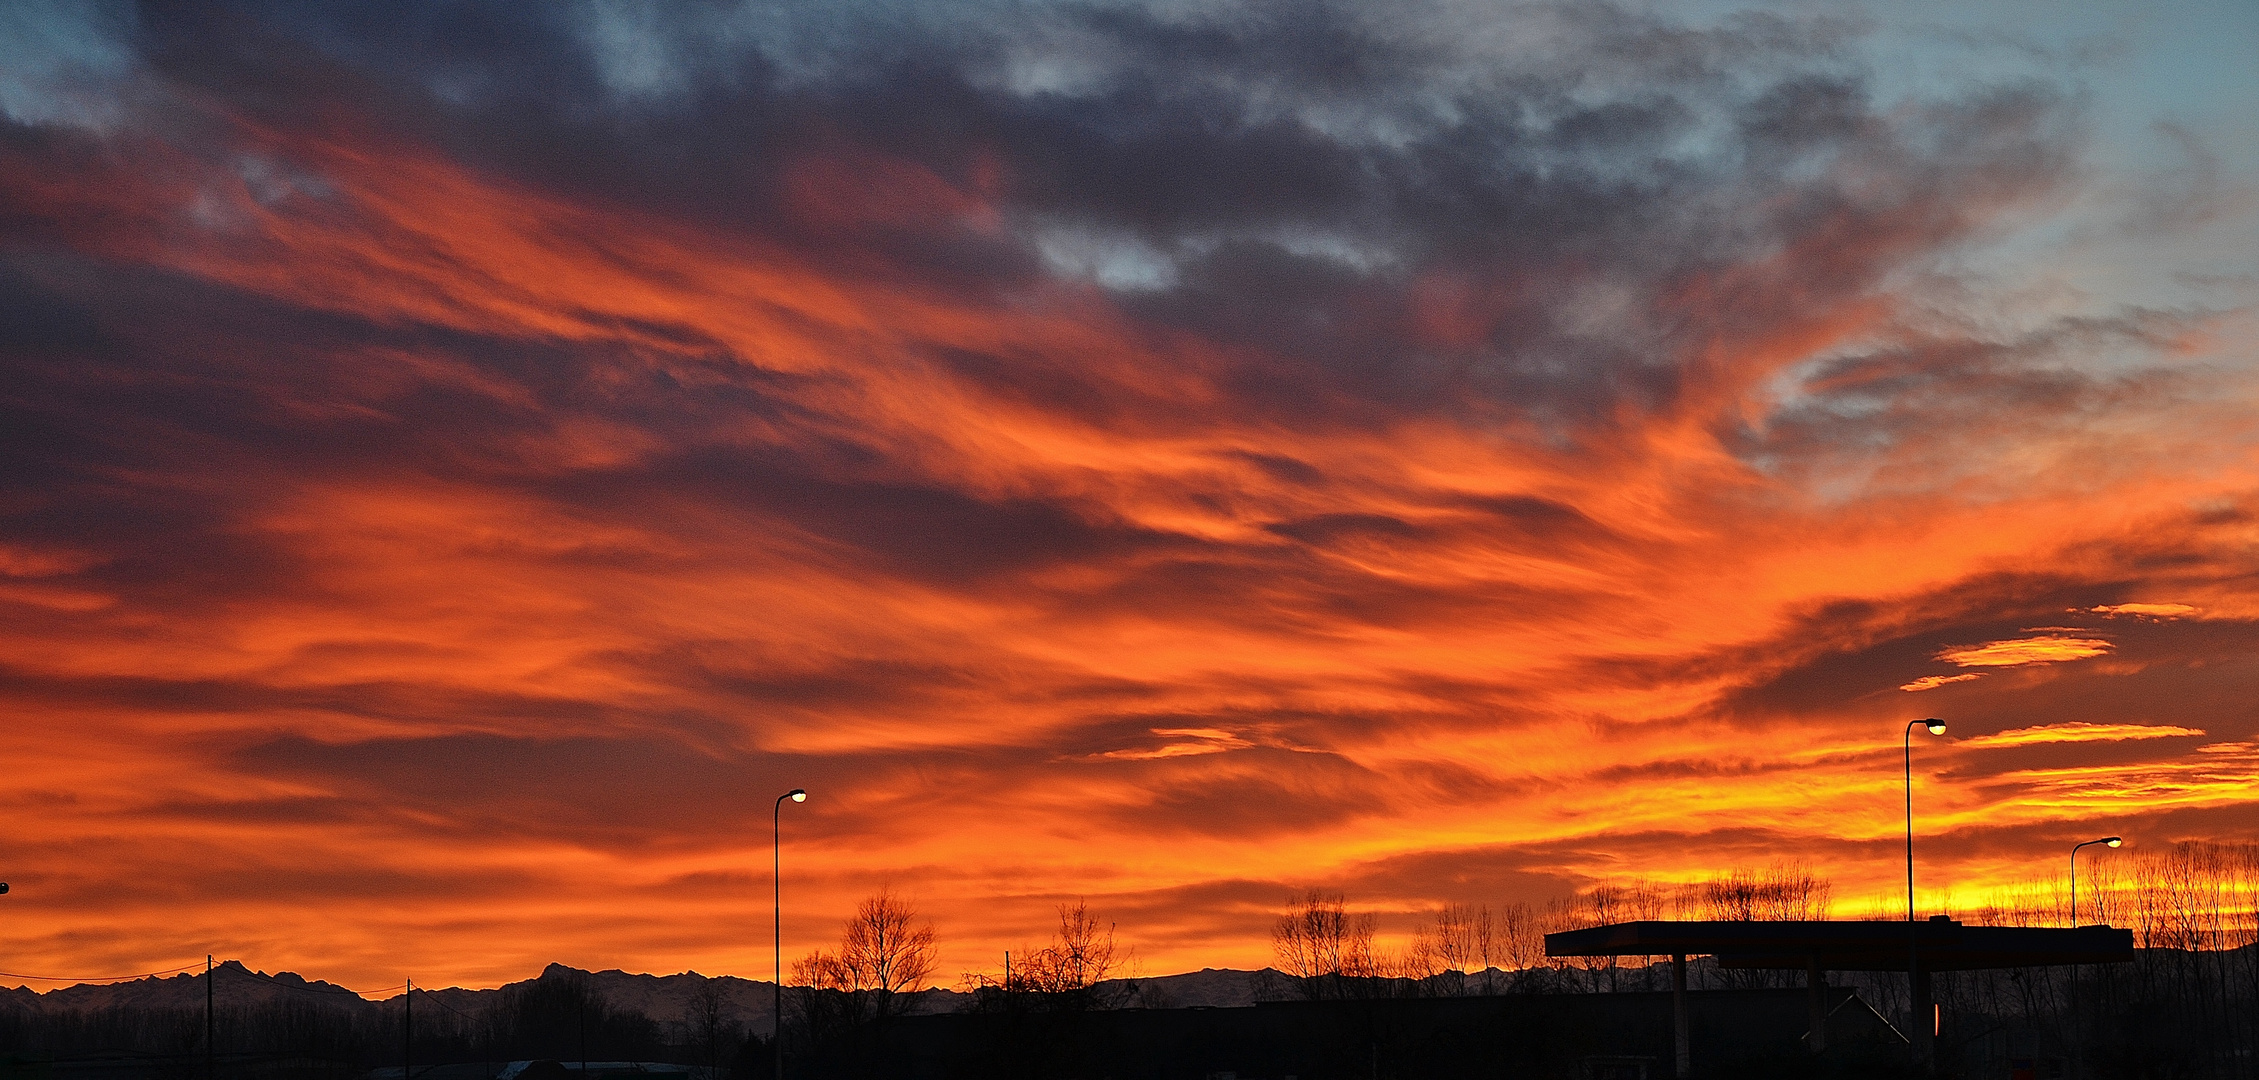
(1940, 944)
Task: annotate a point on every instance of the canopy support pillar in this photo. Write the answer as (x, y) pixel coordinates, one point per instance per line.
(1685, 1063)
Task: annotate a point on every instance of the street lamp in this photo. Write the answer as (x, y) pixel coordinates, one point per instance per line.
(2113, 841)
(1936, 727)
(776, 912)
(1913, 946)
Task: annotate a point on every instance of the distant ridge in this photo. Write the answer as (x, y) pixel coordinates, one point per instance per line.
(663, 998)
(233, 987)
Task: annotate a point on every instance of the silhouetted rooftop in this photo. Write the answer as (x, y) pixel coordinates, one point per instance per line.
(1944, 945)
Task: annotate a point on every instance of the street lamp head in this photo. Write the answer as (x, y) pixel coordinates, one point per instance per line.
(1937, 727)
(797, 795)
(2113, 841)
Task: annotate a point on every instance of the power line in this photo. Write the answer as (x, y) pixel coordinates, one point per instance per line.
(429, 998)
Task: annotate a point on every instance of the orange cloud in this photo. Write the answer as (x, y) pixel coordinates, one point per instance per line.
(1203, 741)
(2221, 780)
(2046, 649)
(2078, 731)
(1932, 682)
(2155, 611)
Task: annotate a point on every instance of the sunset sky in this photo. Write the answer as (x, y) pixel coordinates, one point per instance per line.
(460, 462)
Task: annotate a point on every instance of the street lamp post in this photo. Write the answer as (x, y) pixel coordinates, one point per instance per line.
(2113, 841)
(2079, 1049)
(776, 914)
(1919, 1044)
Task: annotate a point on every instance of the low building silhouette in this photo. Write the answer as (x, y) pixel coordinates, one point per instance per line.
(1619, 1036)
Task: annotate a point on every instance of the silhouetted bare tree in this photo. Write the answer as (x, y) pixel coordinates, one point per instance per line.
(1081, 955)
(1321, 945)
(1458, 940)
(1520, 936)
(885, 953)
(886, 949)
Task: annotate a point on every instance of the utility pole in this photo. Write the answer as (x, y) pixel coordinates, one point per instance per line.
(408, 1031)
(208, 1016)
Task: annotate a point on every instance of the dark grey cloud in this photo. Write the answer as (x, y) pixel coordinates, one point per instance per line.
(1391, 219)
